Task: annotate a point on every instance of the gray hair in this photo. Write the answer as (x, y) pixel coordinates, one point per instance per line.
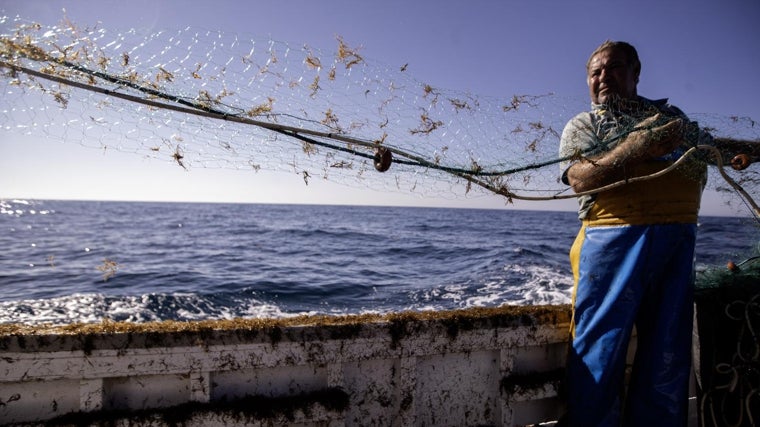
(627, 49)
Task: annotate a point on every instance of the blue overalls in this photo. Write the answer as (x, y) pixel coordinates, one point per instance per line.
(634, 269)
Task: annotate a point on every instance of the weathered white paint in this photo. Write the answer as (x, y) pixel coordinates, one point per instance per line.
(448, 371)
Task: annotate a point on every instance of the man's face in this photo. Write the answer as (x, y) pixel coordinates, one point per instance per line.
(610, 77)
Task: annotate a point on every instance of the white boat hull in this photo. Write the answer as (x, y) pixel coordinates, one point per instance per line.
(498, 367)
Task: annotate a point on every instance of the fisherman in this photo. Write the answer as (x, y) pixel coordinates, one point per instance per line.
(633, 259)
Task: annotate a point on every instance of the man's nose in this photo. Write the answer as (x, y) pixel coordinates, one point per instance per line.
(604, 75)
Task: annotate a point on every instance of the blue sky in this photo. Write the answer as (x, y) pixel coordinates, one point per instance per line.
(703, 55)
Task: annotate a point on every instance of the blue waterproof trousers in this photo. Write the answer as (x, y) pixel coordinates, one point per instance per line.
(626, 275)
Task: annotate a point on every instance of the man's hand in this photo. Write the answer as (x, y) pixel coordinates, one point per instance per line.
(738, 153)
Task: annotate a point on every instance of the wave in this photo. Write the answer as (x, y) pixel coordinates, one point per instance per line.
(91, 261)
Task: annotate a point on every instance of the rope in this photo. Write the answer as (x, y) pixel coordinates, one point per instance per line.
(473, 176)
(742, 373)
(199, 109)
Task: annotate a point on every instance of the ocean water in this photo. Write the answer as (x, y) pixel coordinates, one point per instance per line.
(71, 261)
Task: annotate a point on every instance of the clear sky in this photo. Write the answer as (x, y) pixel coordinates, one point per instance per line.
(703, 55)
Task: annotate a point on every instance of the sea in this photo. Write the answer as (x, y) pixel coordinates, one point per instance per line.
(63, 262)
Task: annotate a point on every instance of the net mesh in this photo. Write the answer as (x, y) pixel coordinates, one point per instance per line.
(209, 99)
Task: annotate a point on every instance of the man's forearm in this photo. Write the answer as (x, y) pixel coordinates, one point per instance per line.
(612, 166)
(738, 145)
(617, 164)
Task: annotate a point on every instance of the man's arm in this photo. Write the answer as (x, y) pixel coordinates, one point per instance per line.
(738, 153)
(648, 142)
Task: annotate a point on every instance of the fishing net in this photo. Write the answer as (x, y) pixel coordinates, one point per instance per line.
(208, 99)
(728, 341)
(205, 99)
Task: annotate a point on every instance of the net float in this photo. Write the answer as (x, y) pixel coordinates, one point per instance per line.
(382, 159)
(740, 162)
